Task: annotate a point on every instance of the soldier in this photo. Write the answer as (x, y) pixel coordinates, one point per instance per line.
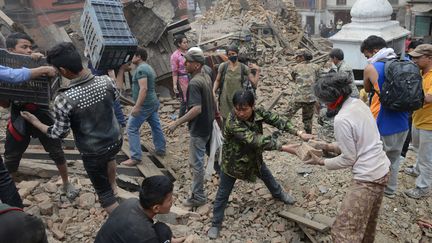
(242, 153)
(304, 74)
(325, 132)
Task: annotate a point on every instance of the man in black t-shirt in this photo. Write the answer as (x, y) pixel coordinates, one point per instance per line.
(200, 116)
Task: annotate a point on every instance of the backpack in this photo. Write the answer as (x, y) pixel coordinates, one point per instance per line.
(402, 89)
(245, 83)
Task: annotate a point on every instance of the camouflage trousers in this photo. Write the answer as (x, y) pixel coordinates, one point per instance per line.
(358, 214)
(326, 130)
(307, 113)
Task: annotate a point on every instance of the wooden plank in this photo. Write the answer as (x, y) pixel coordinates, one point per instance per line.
(146, 166)
(42, 154)
(307, 233)
(29, 167)
(123, 194)
(161, 160)
(67, 142)
(302, 220)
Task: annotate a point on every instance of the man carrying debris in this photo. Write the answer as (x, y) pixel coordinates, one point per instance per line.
(132, 221)
(145, 109)
(86, 107)
(242, 153)
(19, 131)
(392, 125)
(8, 191)
(233, 76)
(362, 151)
(422, 127)
(305, 74)
(200, 116)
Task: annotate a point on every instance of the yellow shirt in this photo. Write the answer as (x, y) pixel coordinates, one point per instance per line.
(422, 118)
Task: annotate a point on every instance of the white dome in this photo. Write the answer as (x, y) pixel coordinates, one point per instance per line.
(362, 11)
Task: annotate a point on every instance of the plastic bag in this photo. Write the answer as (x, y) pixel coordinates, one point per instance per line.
(215, 144)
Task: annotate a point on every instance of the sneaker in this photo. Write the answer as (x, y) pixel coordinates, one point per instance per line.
(213, 232)
(287, 198)
(389, 195)
(410, 171)
(418, 193)
(70, 191)
(192, 202)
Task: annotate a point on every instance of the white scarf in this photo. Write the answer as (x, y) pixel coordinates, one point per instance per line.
(387, 53)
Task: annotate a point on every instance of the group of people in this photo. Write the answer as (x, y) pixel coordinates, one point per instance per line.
(368, 140)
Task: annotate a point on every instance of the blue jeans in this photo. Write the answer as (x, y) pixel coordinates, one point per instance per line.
(149, 114)
(197, 149)
(226, 185)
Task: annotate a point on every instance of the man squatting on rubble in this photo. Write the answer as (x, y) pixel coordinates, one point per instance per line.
(19, 132)
(358, 138)
(86, 107)
(132, 221)
(242, 152)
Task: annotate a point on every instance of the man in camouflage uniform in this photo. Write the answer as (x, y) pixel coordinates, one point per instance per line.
(326, 131)
(305, 75)
(242, 153)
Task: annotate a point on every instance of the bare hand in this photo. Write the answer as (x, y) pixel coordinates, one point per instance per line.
(290, 148)
(172, 127)
(37, 55)
(178, 240)
(111, 73)
(306, 137)
(125, 67)
(135, 111)
(50, 71)
(315, 160)
(175, 89)
(29, 116)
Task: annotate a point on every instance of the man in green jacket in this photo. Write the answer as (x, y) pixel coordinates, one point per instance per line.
(242, 153)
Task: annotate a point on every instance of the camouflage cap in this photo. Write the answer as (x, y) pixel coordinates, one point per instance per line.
(420, 50)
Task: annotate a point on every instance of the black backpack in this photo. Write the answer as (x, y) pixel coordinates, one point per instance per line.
(402, 89)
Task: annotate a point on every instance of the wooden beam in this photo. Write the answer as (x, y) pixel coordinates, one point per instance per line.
(305, 221)
(160, 159)
(307, 233)
(146, 166)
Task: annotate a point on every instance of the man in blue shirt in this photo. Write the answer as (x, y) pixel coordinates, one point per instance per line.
(19, 75)
(8, 192)
(392, 125)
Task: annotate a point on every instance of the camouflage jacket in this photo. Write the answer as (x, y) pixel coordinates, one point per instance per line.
(244, 143)
(305, 74)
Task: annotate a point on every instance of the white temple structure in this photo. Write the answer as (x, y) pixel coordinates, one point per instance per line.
(369, 17)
